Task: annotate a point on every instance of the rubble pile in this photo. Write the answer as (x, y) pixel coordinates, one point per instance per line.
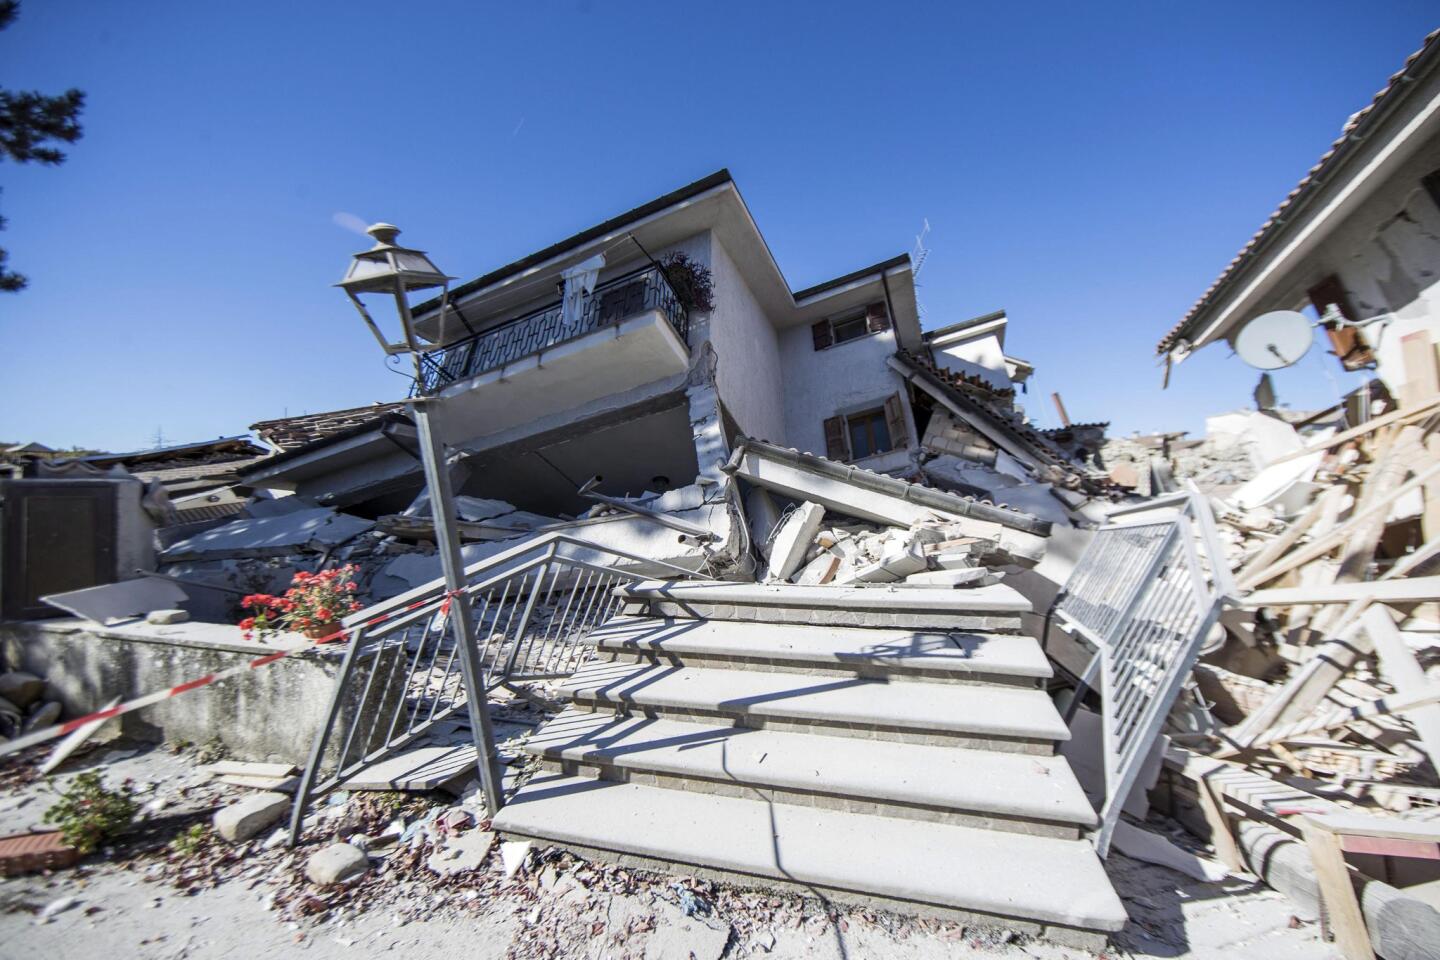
(24, 705)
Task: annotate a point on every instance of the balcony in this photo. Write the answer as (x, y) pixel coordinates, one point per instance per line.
(610, 305)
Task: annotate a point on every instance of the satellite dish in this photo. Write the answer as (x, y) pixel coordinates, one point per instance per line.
(1274, 340)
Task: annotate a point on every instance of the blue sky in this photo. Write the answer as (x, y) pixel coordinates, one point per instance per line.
(1089, 168)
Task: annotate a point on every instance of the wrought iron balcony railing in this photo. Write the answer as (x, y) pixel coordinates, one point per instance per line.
(609, 304)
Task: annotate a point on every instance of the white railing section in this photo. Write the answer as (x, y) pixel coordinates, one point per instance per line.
(1146, 594)
(401, 676)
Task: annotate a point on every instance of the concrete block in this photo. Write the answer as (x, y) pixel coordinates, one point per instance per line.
(336, 864)
(247, 818)
(164, 617)
(820, 570)
(793, 539)
(21, 688)
(959, 577)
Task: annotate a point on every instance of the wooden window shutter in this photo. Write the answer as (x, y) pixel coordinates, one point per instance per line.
(895, 422)
(877, 318)
(835, 446)
(1347, 342)
(821, 334)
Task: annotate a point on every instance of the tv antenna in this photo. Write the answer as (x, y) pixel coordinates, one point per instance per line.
(918, 256)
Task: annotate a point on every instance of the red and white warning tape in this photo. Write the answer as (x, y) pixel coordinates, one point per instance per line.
(150, 699)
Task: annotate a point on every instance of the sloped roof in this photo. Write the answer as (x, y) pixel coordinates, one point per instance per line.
(1352, 135)
(291, 433)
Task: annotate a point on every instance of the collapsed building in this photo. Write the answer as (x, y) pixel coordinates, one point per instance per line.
(782, 566)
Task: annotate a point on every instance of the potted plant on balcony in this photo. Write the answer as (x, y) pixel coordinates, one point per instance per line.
(314, 605)
(690, 280)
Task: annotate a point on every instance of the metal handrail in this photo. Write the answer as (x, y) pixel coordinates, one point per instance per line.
(646, 288)
(1145, 593)
(531, 607)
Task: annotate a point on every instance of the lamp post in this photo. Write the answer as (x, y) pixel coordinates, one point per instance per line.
(388, 268)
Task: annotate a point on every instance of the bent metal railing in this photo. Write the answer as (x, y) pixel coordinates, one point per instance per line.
(1146, 594)
(608, 304)
(400, 679)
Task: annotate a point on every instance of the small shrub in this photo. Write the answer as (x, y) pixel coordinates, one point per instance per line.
(690, 280)
(88, 813)
(211, 751)
(190, 842)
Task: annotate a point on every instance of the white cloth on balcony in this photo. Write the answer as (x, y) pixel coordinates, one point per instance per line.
(579, 281)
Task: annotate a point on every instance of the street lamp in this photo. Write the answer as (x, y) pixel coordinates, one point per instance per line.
(392, 269)
(388, 268)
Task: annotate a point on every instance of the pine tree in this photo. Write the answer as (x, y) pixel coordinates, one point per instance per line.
(29, 123)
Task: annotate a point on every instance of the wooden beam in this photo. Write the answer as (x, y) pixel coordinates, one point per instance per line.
(1349, 531)
(1343, 645)
(1346, 921)
(1404, 590)
(1399, 666)
(1403, 415)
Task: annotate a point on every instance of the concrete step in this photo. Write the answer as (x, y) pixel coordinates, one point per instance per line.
(875, 653)
(996, 608)
(945, 714)
(980, 788)
(1042, 885)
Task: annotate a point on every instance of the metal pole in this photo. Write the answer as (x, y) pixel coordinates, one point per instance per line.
(447, 541)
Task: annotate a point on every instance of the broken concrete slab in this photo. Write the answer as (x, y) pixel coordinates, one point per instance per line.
(462, 852)
(959, 577)
(316, 528)
(859, 493)
(820, 570)
(125, 600)
(793, 539)
(1152, 848)
(247, 818)
(423, 768)
(899, 558)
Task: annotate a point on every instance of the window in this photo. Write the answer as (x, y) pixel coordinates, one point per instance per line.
(873, 318)
(868, 433)
(855, 436)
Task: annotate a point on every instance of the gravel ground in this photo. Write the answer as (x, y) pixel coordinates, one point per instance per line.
(144, 898)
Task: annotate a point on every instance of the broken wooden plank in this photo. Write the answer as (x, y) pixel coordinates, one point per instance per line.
(1348, 532)
(1400, 667)
(1345, 716)
(1400, 590)
(242, 768)
(1347, 921)
(1403, 415)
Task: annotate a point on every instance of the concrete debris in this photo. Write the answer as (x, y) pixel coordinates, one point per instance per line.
(513, 856)
(249, 817)
(125, 600)
(337, 863)
(315, 528)
(462, 852)
(21, 689)
(162, 618)
(1153, 848)
(793, 539)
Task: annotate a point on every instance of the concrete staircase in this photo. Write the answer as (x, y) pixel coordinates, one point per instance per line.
(889, 747)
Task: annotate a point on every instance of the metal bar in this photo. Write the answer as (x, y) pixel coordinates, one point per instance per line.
(442, 509)
(322, 739)
(529, 612)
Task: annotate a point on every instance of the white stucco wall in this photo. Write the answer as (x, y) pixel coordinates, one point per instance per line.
(981, 357)
(749, 377)
(846, 378)
(1387, 255)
